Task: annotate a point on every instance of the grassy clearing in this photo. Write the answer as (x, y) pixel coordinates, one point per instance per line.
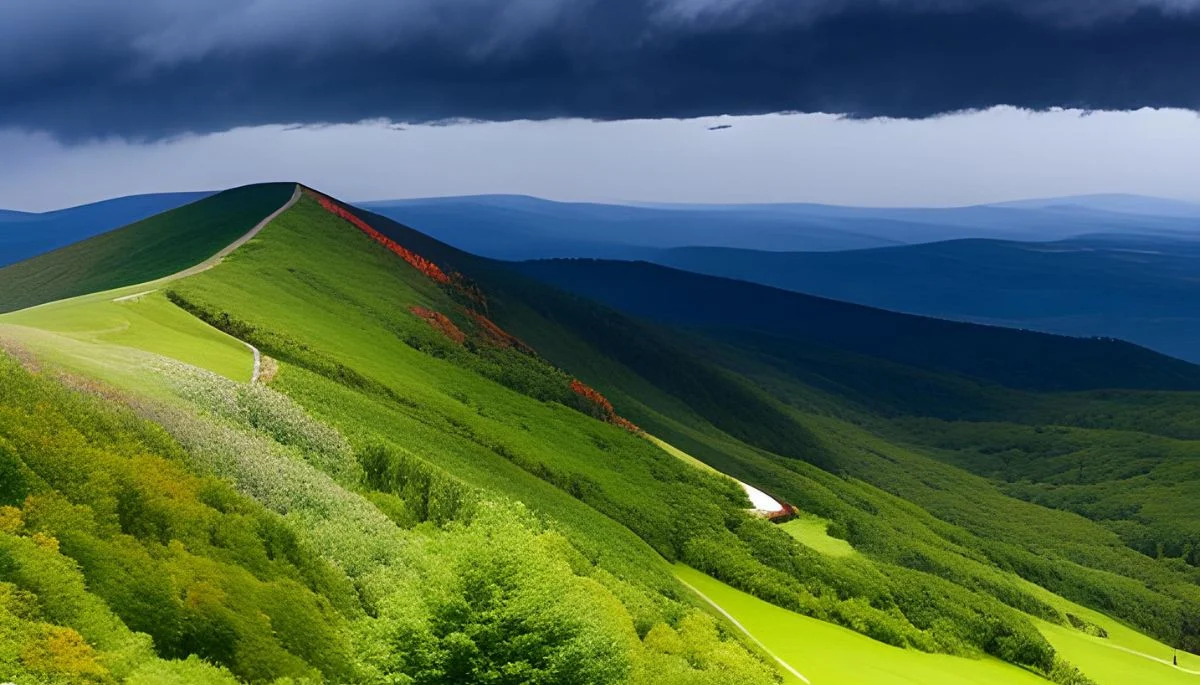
(812, 531)
(826, 653)
(1104, 662)
(132, 317)
(1123, 656)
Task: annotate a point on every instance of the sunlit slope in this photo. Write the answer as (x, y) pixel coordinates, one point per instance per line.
(1118, 654)
(826, 653)
(133, 317)
(152, 248)
(830, 654)
(335, 309)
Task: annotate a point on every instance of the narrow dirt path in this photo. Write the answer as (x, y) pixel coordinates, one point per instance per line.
(216, 259)
(1152, 658)
(783, 664)
(257, 362)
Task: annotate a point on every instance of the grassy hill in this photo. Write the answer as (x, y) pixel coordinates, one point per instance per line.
(26, 234)
(427, 489)
(151, 248)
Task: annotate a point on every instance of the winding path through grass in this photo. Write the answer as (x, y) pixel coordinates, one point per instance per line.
(140, 317)
(1153, 658)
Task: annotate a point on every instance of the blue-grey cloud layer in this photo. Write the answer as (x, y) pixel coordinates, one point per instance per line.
(151, 68)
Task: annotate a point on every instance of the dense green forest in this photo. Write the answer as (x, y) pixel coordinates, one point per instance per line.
(445, 477)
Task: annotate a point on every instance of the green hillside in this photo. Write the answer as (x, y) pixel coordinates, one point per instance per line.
(1005, 356)
(425, 488)
(144, 251)
(827, 405)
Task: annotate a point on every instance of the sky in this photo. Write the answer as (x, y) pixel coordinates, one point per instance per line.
(862, 102)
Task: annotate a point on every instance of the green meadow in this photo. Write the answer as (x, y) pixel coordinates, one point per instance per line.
(826, 653)
(813, 531)
(139, 317)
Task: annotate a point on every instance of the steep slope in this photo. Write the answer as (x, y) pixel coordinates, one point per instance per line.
(158, 246)
(1126, 287)
(651, 375)
(1013, 358)
(430, 462)
(416, 508)
(25, 234)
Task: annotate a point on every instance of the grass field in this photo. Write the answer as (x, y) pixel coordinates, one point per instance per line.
(139, 319)
(1105, 662)
(825, 653)
(812, 531)
(829, 654)
(1124, 656)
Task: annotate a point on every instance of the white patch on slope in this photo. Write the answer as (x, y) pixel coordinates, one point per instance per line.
(762, 502)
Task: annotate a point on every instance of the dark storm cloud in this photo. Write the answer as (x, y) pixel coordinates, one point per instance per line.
(152, 68)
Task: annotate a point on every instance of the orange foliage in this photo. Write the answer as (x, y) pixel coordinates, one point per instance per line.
(602, 405)
(592, 395)
(787, 513)
(423, 265)
(622, 422)
(440, 322)
(498, 336)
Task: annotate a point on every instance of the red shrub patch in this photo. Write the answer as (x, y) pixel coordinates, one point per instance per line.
(470, 290)
(625, 423)
(440, 322)
(592, 395)
(787, 513)
(423, 265)
(498, 336)
(601, 406)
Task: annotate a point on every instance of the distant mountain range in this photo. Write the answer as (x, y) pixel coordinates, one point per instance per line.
(1145, 290)
(518, 227)
(26, 234)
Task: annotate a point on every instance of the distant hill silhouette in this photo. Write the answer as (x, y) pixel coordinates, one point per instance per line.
(25, 234)
(1139, 289)
(519, 227)
(738, 311)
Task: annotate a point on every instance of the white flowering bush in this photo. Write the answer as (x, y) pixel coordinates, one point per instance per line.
(267, 411)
